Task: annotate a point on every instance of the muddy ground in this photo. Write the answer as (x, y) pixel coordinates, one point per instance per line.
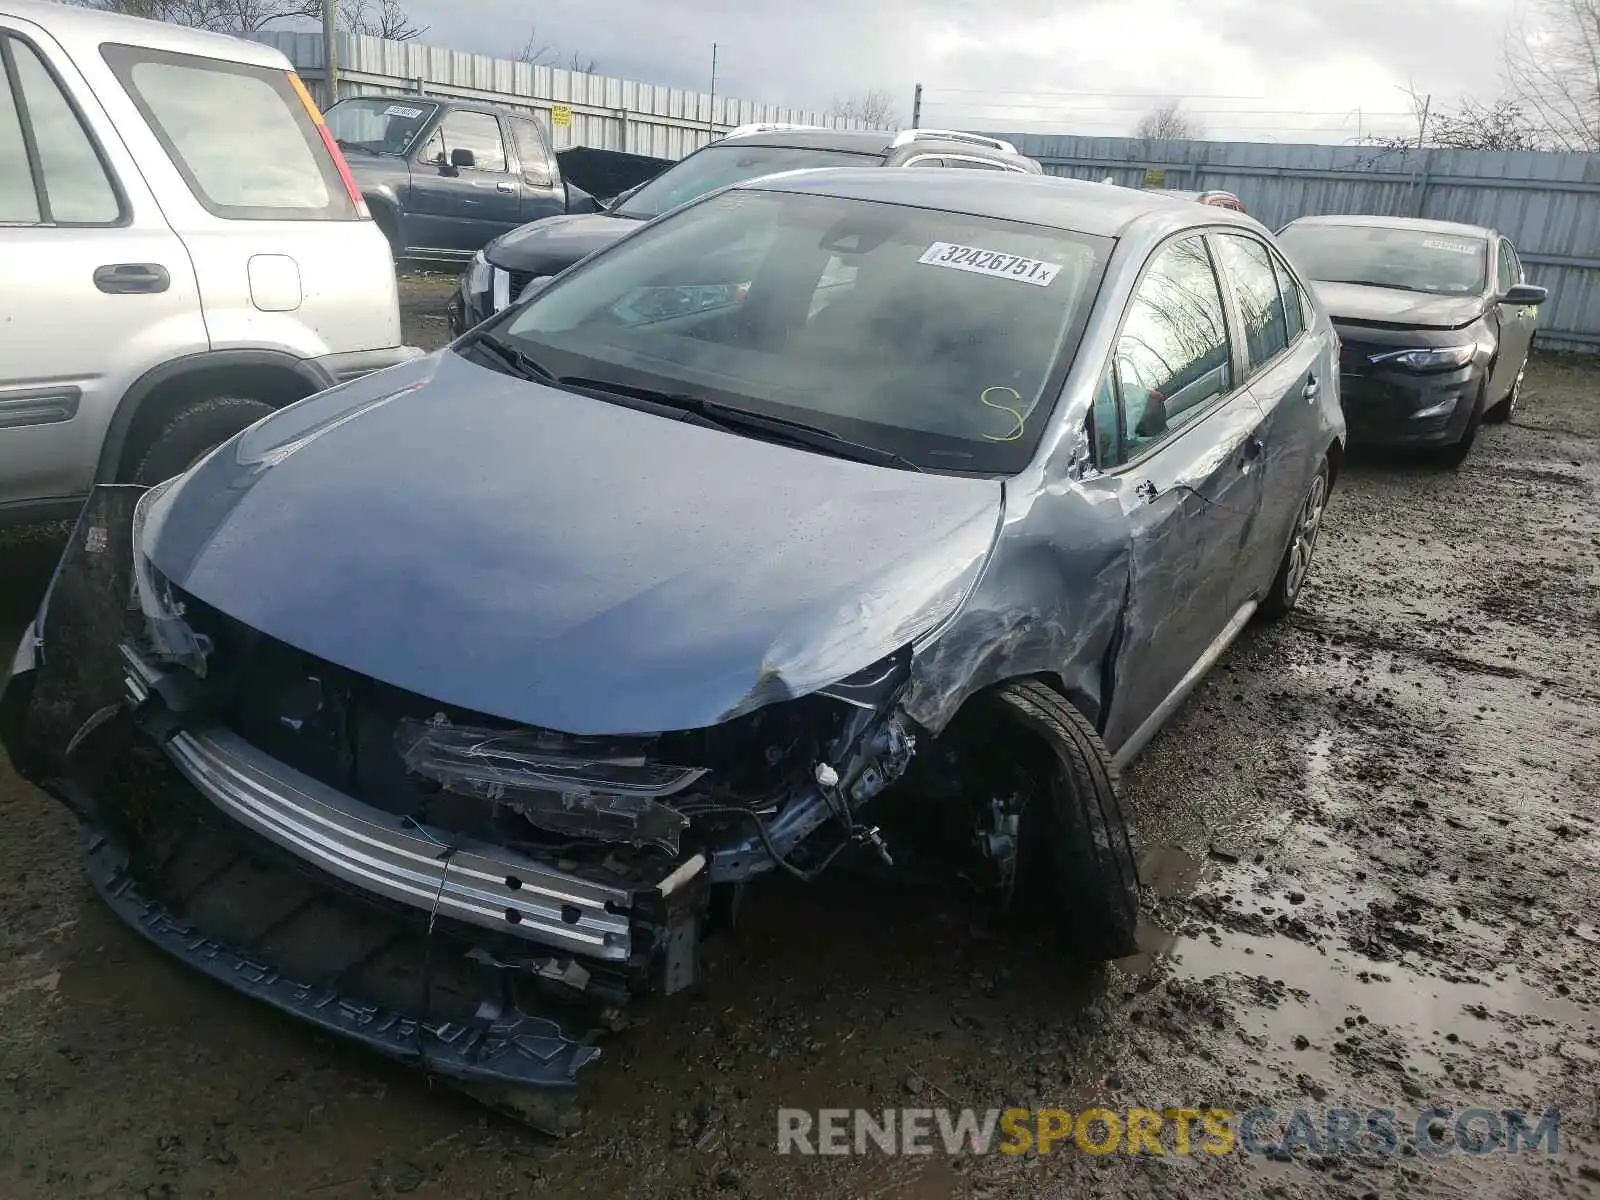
(1372, 840)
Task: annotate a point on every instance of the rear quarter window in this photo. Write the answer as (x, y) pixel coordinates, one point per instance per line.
(238, 134)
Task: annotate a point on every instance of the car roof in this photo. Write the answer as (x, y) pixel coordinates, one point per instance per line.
(860, 141)
(90, 28)
(1416, 223)
(1068, 204)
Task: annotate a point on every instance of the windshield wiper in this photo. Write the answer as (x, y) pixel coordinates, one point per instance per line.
(520, 363)
(731, 419)
(1398, 287)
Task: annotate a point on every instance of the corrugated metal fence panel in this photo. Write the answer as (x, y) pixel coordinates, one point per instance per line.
(609, 114)
(1547, 204)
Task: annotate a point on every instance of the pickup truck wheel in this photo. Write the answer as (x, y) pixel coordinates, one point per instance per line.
(193, 432)
(1075, 871)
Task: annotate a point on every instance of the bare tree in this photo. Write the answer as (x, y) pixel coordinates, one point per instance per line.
(1552, 69)
(873, 108)
(540, 52)
(1168, 123)
(1472, 125)
(379, 18)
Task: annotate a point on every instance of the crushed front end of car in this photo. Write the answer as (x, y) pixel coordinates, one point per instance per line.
(480, 898)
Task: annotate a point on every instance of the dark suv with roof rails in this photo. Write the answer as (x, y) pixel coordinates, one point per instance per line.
(502, 271)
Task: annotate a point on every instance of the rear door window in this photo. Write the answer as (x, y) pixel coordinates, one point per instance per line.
(76, 187)
(1248, 265)
(1294, 304)
(19, 203)
(239, 135)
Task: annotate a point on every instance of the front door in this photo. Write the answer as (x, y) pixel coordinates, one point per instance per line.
(461, 208)
(1185, 460)
(1517, 324)
(94, 282)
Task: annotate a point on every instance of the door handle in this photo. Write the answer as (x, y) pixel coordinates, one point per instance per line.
(504, 186)
(1311, 389)
(1254, 447)
(1146, 491)
(128, 279)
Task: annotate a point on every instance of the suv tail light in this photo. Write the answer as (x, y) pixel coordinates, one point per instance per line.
(332, 147)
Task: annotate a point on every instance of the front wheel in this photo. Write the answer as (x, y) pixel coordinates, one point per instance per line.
(1501, 413)
(1076, 873)
(1295, 567)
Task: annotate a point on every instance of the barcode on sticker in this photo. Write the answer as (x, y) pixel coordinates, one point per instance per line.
(990, 262)
(401, 110)
(1453, 247)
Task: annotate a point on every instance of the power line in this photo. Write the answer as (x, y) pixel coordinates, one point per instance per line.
(1009, 106)
(1091, 92)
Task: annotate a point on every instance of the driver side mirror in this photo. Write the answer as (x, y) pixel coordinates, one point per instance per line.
(460, 157)
(1525, 293)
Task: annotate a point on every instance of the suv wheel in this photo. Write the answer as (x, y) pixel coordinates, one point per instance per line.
(193, 433)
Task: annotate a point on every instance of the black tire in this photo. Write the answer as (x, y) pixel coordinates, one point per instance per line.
(1501, 412)
(1295, 566)
(1452, 456)
(1075, 866)
(195, 431)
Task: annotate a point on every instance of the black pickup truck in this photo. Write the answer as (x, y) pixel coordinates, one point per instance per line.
(445, 177)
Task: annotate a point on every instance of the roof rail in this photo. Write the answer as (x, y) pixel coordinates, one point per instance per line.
(906, 136)
(765, 127)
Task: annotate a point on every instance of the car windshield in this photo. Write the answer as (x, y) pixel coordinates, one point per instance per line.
(720, 165)
(936, 336)
(1413, 260)
(379, 125)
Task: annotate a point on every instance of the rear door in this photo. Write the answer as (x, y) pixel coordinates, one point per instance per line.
(95, 288)
(282, 249)
(1283, 366)
(1181, 466)
(460, 209)
(542, 193)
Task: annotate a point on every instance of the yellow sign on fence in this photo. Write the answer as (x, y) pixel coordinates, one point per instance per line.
(1154, 178)
(561, 115)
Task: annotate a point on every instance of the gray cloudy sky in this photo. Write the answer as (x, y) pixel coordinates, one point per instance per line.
(1254, 69)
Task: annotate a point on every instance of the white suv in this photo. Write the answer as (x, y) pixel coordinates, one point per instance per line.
(182, 250)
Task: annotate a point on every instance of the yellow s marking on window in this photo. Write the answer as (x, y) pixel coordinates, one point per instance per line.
(1016, 396)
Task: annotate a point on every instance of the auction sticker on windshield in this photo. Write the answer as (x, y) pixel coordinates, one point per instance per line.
(990, 262)
(1447, 244)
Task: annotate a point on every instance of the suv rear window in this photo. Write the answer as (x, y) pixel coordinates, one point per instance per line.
(238, 134)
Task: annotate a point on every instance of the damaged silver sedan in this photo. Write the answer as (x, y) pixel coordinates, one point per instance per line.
(841, 515)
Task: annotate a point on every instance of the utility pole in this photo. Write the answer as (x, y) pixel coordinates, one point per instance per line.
(916, 108)
(330, 53)
(711, 117)
(1422, 123)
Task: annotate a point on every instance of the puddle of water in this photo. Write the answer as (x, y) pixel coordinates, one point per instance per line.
(1420, 1009)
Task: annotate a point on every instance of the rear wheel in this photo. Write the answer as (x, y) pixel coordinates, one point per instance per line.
(1075, 872)
(192, 433)
(1296, 565)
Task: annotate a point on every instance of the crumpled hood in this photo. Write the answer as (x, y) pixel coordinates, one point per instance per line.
(1356, 302)
(561, 561)
(555, 243)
